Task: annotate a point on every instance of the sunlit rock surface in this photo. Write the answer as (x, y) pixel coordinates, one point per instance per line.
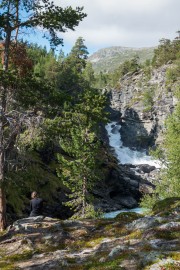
(129, 241)
(143, 123)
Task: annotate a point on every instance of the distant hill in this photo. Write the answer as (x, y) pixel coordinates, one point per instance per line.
(108, 59)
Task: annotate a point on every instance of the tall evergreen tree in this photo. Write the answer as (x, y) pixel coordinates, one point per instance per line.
(80, 168)
(44, 14)
(70, 77)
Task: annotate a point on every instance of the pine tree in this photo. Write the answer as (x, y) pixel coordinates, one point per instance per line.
(80, 168)
(70, 77)
(16, 15)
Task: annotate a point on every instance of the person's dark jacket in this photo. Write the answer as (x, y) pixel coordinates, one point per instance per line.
(36, 206)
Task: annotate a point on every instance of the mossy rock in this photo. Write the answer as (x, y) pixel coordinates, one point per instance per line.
(126, 217)
(7, 262)
(167, 206)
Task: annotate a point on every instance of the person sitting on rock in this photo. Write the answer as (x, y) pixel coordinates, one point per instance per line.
(36, 205)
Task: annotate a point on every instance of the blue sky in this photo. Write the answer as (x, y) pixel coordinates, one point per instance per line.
(127, 23)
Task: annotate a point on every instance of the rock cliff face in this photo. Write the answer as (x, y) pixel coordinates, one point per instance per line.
(144, 100)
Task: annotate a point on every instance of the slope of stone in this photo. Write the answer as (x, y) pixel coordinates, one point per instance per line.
(143, 123)
(129, 241)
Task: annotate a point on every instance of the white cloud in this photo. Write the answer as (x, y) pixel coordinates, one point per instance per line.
(132, 23)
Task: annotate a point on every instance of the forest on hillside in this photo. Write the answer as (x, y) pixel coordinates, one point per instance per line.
(51, 109)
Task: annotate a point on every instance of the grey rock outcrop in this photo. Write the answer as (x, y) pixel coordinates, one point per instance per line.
(144, 102)
(123, 185)
(129, 241)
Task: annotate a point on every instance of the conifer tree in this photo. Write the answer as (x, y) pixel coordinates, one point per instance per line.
(70, 77)
(17, 15)
(79, 167)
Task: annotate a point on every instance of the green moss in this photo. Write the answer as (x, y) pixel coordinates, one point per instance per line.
(27, 254)
(107, 265)
(50, 247)
(168, 235)
(134, 235)
(126, 217)
(147, 109)
(74, 267)
(3, 233)
(7, 262)
(166, 206)
(94, 242)
(175, 256)
(170, 266)
(7, 266)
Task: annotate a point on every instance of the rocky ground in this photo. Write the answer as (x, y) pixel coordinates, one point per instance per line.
(129, 241)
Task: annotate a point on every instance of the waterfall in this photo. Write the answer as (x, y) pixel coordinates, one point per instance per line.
(124, 154)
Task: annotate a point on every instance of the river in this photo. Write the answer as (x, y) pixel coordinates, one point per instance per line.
(126, 155)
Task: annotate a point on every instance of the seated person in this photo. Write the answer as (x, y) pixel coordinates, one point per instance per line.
(36, 205)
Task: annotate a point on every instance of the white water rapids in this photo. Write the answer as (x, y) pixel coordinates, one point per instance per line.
(124, 154)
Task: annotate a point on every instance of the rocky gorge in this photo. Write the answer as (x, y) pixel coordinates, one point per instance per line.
(139, 104)
(141, 125)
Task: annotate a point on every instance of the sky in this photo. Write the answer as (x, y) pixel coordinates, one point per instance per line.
(127, 23)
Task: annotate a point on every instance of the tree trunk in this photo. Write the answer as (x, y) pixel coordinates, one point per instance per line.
(2, 159)
(2, 193)
(3, 223)
(3, 103)
(84, 197)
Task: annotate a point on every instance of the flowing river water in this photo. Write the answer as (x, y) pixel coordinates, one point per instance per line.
(125, 155)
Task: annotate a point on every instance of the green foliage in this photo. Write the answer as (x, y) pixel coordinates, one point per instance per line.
(148, 99)
(166, 205)
(101, 80)
(169, 185)
(166, 51)
(80, 168)
(80, 52)
(88, 74)
(36, 52)
(172, 146)
(129, 66)
(70, 71)
(30, 174)
(44, 14)
(172, 73)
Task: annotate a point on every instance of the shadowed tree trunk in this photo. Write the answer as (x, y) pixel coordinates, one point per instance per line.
(84, 189)
(2, 194)
(3, 101)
